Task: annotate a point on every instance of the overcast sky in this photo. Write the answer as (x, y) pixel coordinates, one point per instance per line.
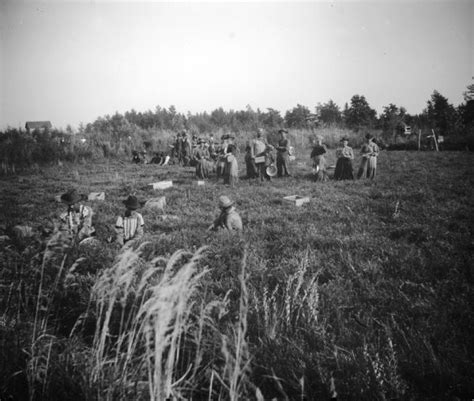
(71, 62)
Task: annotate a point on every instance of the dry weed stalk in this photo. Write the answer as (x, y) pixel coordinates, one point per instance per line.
(54, 257)
(153, 305)
(235, 350)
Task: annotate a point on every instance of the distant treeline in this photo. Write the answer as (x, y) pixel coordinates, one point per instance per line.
(119, 134)
(439, 115)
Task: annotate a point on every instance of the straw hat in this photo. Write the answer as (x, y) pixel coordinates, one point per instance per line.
(225, 202)
(70, 197)
(282, 130)
(131, 202)
(271, 171)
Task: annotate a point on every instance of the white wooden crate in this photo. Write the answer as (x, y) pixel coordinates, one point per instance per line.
(161, 184)
(96, 196)
(296, 199)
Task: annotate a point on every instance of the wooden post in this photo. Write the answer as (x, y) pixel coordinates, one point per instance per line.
(419, 139)
(435, 140)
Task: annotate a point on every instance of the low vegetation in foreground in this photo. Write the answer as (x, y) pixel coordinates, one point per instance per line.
(366, 292)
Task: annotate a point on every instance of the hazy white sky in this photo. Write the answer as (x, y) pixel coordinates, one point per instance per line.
(72, 62)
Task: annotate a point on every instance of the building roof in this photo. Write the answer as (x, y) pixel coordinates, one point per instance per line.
(38, 124)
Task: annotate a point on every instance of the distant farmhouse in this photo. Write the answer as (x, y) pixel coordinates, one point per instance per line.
(38, 125)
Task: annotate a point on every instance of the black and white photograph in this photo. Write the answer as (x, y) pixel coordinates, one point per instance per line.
(236, 200)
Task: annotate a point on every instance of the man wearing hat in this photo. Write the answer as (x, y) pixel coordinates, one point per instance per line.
(186, 150)
(283, 157)
(78, 218)
(319, 160)
(257, 154)
(228, 218)
(177, 148)
(368, 163)
(129, 226)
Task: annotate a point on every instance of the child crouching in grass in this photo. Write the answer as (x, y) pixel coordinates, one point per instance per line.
(77, 220)
(129, 226)
(228, 219)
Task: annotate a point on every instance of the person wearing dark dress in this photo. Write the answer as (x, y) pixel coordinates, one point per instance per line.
(283, 157)
(345, 155)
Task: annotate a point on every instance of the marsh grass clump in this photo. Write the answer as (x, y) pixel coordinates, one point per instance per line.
(150, 326)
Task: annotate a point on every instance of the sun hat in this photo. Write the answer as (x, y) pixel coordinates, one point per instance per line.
(131, 202)
(225, 202)
(70, 197)
(271, 171)
(369, 136)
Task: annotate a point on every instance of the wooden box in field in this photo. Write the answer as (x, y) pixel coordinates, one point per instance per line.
(200, 182)
(96, 196)
(296, 199)
(161, 184)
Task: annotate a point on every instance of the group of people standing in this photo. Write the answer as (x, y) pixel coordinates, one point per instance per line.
(260, 159)
(345, 155)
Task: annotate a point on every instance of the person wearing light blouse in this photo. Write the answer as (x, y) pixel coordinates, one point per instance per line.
(345, 155)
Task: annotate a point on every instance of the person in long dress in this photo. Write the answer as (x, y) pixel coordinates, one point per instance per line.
(368, 163)
(283, 156)
(345, 155)
(202, 158)
(231, 168)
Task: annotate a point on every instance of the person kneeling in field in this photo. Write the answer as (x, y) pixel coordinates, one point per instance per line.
(229, 218)
(129, 226)
(77, 220)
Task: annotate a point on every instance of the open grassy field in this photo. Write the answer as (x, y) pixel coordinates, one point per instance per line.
(367, 291)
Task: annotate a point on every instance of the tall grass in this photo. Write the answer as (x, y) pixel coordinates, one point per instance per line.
(364, 292)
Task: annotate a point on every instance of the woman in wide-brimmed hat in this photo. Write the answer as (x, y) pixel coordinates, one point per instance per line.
(129, 226)
(345, 155)
(231, 167)
(228, 218)
(368, 163)
(78, 218)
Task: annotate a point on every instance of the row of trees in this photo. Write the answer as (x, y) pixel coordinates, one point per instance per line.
(356, 115)
(118, 135)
